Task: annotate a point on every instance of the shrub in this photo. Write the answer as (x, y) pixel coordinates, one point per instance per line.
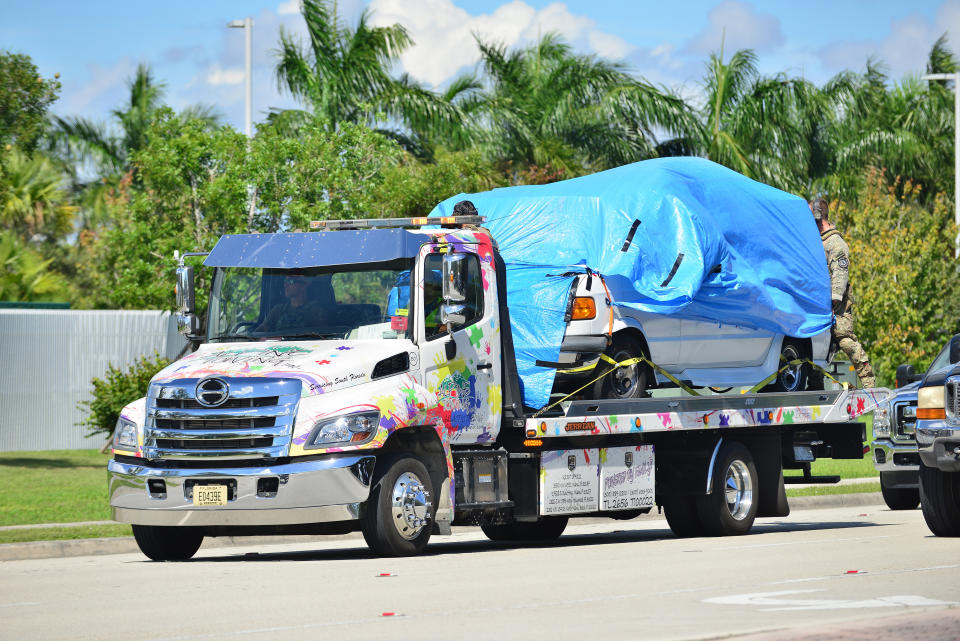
(117, 388)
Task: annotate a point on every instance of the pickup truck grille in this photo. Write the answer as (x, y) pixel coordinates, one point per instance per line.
(952, 398)
(905, 417)
(255, 421)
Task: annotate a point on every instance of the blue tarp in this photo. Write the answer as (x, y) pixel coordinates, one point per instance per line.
(707, 243)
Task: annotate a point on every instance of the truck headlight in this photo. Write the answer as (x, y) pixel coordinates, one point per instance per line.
(346, 428)
(881, 421)
(930, 403)
(125, 434)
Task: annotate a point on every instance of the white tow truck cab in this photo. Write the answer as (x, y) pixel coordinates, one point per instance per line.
(363, 377)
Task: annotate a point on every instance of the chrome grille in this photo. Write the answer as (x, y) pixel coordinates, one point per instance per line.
(905, 417)
(256, 421)
(952, 398)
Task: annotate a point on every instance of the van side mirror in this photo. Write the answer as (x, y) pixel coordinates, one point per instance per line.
(454, 278)
(955, 349)
(186, 319)
(906, 375)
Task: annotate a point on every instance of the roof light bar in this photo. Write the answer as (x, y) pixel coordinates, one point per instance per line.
(372, 223)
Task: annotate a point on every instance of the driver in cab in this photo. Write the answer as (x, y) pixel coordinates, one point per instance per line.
(296, 312)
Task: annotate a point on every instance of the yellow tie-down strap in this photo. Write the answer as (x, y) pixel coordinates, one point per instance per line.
(640, 359)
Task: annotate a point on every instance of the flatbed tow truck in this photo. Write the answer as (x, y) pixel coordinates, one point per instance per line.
(398, 411)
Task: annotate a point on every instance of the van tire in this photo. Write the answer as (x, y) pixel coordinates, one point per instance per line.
(626, 382)
(792, 379)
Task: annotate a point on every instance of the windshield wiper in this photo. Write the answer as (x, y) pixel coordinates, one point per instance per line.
(293, 337)
(236, 337)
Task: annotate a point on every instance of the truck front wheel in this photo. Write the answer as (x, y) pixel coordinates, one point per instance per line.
(899, 498)
(731, 506)
(400, 511)
(548, 528)
(940, 500)
(159, 543)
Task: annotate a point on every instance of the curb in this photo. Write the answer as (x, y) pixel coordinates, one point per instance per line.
(127, 545)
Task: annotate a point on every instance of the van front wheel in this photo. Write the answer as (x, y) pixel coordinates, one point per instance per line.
(626, 382)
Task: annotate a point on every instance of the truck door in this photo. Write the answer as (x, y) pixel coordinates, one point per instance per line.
(467, 385)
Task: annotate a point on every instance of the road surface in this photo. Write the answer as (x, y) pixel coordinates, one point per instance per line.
(602, 580)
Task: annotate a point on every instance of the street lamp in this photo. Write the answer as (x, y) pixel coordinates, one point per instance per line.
(956, 148)
(247, 25)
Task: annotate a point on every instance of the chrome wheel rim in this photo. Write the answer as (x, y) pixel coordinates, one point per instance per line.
(790, 377)
(410, 505)
(738, 490)
(625, 379)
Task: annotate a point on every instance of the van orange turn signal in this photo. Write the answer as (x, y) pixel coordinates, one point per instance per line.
(584, 308)
(931, 413)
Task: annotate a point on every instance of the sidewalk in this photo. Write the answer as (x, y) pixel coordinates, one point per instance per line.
(126, 544)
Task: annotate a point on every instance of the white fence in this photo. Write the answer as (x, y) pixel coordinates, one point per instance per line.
(47, 359)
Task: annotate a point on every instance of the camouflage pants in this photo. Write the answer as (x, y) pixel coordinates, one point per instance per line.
(850, 344)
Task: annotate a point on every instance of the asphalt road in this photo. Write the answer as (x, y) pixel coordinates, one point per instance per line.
(821, 573)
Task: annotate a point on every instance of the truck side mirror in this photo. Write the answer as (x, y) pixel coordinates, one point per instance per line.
(905, 375)
(955, 349)
(453, 315)
(186, 319)
(454, 278)
(185, 296)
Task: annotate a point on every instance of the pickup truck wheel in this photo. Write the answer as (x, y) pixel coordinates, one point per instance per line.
(900, 498)
(399, 514)
(159, 543)
(624, 382)
(793, 378)
(940, 500)
(682, 516)
(548, 528)
(731, 506)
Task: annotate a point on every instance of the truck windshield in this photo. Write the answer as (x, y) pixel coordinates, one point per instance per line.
(317, 303)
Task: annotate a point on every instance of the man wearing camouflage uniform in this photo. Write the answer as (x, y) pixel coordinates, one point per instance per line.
(838, 262)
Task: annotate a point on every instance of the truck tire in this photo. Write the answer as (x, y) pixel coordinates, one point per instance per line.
(548, 528)
(399, 513)
(731, 506)
(940, 500)
(160, 543)
(899, 498)
(625, 382)
(792, 379)
(682, 516)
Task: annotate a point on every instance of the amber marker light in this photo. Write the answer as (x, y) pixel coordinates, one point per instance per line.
(532, 442)
(531, 433)
(931, 413)
(584, 308)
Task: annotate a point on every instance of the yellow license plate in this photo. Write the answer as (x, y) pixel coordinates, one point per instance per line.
(209, 494)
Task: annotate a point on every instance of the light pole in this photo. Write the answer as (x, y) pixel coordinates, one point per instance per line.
(956, 148)
(247, 25)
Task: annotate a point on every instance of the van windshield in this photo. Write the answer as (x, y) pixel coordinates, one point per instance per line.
(249, 303)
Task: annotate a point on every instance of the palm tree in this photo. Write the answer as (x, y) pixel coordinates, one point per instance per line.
(545, 105)
(763, 127)
(35, 202)
(24, 274)
(108, 147)
(342, 75)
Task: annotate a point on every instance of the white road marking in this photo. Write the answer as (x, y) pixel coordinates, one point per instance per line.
(775, 599)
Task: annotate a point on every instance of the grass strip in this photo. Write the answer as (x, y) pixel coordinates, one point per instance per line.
(63, 533)
(844, 468)
(824, 490)
(62, 486)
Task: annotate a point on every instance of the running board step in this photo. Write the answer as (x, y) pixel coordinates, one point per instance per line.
(788, 480)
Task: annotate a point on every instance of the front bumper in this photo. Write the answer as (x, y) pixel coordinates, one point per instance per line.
(939, 444)
(893, 456)
(322, 490)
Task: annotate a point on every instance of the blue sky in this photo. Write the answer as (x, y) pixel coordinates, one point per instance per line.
(96, 46)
